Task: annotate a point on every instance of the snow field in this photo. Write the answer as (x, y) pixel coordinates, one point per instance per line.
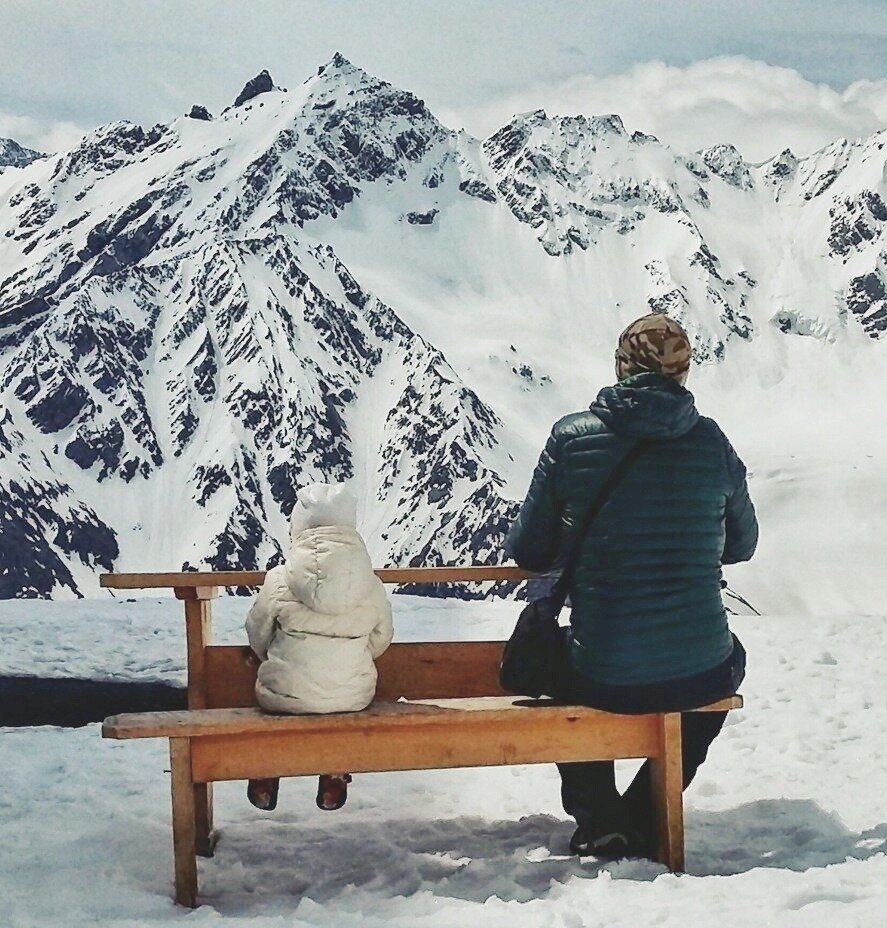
(786, 822)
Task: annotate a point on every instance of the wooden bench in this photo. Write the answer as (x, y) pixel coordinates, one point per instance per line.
(455, 715)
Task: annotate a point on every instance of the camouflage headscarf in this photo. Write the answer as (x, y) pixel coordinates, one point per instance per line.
(654, 343)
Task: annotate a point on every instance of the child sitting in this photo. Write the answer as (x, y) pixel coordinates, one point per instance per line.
(317, 625)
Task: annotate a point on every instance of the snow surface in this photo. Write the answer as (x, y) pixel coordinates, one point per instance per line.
(786, 822)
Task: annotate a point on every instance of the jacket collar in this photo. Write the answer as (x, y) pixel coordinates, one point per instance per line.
(647, 405)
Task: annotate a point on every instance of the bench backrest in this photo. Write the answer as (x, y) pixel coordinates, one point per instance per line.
(224, 677)
(424, 670)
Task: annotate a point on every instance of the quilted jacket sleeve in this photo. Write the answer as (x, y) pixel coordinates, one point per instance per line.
(534, 539)
(381, 635)
(260, 620)
(741, 523)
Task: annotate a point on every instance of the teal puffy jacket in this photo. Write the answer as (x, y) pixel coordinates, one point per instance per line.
(646, 598)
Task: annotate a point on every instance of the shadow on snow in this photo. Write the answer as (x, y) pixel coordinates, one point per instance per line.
(473, 858)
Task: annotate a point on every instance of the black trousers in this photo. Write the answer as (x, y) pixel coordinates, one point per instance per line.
(589, 793)
(588, 789)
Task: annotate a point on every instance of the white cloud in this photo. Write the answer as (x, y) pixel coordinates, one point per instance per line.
(759, 108)
(40, 134)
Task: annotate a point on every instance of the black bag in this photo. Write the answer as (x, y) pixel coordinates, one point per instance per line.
(534, 661)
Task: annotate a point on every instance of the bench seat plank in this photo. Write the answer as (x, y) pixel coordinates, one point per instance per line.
(197, 723)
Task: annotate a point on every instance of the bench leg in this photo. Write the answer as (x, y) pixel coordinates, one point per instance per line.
(198, 628)
(667, 783)
(184, 830)
(206, 837)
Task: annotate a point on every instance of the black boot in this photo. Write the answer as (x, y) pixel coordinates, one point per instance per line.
(614, 845)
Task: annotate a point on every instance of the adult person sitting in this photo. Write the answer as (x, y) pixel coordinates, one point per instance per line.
(648, 629)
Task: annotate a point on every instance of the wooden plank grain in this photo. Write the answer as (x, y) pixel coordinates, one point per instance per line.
(667, 784)
(440, 669)
(230, 676)
(205, 722)
(184, 834)
(198, 634)
(413, 670)
(448, 713)
(478, 739)
(394, 575)
(379, 716)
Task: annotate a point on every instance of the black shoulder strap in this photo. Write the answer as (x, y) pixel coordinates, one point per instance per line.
(565, 580)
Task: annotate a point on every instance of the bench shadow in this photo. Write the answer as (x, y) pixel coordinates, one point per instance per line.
(788, 834)
(473, 858)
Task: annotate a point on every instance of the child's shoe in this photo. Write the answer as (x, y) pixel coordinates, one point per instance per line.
(332, 791)
(263, 793)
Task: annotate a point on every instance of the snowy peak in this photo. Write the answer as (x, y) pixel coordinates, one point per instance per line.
(781, 169)
(724, 161)
(340, 86)
(557, 175)
(340, 68)
(261, 83)
(17, 156)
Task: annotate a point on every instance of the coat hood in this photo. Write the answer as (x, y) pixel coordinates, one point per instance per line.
(647, 406)
(329, 569)
(322, 504)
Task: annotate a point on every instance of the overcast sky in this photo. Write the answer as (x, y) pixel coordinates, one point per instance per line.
(690, 72)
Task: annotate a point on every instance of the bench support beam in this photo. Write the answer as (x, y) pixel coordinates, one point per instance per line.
(465, 739)
(184, 832)
(667, 783)
(198, 633)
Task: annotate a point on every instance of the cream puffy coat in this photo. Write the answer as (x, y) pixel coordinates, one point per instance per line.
(321, 618)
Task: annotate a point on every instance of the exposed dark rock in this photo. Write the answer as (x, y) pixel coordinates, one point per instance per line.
(41, 525)
(724, 161)
(17, 156)
(261, 83)
(643, 138)
(477, 188)
(59, 406)
(822, 184)
(422, 219)
(867, 298)
(200, 112)
(208, 479)
(856, 220)
(783, 166)
(109, 148)
(92, 445)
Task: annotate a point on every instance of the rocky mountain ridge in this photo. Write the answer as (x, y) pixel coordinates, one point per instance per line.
(17, 156)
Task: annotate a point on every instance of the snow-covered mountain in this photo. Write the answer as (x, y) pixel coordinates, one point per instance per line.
(329, 284)
(14, 155)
